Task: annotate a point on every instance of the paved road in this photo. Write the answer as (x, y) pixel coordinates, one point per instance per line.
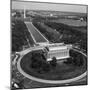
(36, 35)
(44, 80)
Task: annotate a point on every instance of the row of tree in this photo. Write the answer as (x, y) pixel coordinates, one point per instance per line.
(70, 34)
(20, 35)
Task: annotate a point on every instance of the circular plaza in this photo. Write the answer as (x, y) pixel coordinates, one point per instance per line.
(61, 72)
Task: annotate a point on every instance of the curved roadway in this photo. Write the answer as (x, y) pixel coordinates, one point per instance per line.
(43, 80)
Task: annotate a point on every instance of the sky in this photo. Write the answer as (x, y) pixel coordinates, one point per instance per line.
(49, 6)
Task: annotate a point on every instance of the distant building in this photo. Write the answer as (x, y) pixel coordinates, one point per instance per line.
(58, 50)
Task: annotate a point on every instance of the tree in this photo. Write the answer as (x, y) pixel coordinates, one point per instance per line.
(53, 62)
(19, 35)
(69, 60)
(78, 60)
(39, 63)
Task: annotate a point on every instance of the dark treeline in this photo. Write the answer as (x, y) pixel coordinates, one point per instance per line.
(70, 33)
(19, 35)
